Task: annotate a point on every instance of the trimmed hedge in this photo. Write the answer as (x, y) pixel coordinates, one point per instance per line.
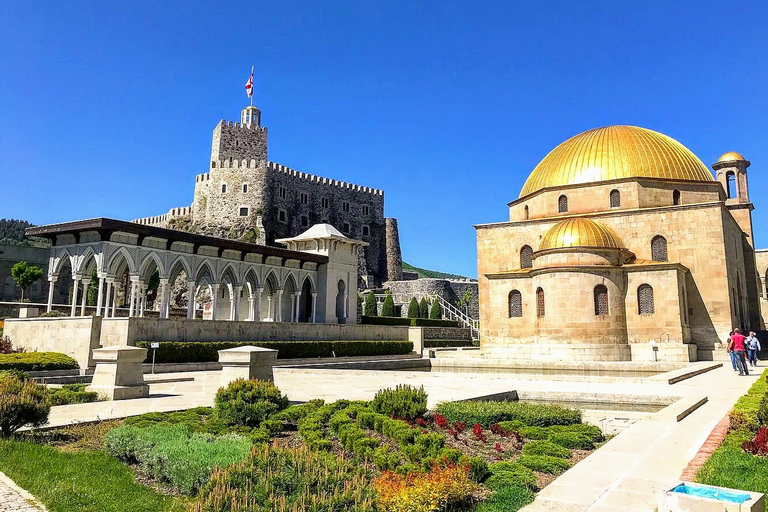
(37, 361)
(208, 351)
(488, 413)
(447, 343)
(411, 322)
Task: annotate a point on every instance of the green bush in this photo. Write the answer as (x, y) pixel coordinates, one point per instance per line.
(762, 411)
(71, 394)
(572, 440)
(478, 469)
(16, 373)
(174, 454)
(546, 448)
(426, 322)
(37, 361)
(413, 309)
(53, 313)
(507, 474)
(22, 402)
(435, 313)
(744, 412)
(544, 463)
(296, 412)
(534, 433)
(208, 351)
(370, 305)
(591, 432)
(406, 402)
(488, 413)
(388, 308)
(423, 308)
(507, 499)
(248, 402)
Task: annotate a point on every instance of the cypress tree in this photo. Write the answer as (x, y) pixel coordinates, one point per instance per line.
(388, 309)
(370, 305)
(423, 308)
(435, 313)
(413, 308)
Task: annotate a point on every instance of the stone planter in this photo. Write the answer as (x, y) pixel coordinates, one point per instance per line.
(246, 363)
(118, 374)
(691, 497)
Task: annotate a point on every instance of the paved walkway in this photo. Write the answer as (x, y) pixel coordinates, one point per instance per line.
(15, 499)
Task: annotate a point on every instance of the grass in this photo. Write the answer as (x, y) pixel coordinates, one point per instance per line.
(87, 481)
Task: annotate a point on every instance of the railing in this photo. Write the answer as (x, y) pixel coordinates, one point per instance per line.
(450, 312)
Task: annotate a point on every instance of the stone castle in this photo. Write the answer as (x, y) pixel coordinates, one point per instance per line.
(246, 197)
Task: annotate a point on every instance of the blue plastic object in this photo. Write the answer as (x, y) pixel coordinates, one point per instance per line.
(712, 493)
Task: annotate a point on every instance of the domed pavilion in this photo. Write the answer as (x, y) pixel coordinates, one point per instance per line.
(622, 242)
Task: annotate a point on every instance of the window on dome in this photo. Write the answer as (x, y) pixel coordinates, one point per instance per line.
(659, 248)
(615, 198)
(676, 197)
(526, 257)
(645, 299)
(539, 302)
(562, 204)
(601, 300)
(515, 304)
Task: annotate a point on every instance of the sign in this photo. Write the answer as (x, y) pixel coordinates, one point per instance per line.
(154, 345)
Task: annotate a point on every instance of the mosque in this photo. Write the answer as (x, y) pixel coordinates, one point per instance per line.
(621, 247)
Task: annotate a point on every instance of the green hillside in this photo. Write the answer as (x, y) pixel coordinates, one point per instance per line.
(431, 273)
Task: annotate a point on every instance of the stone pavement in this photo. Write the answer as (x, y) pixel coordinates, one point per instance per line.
(15, 499)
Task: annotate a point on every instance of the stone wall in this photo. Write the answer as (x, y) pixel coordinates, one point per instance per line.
(74, 336)
(12, 254)
(447, 333)
(450, 289)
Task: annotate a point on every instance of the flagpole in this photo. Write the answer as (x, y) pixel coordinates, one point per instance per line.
(251, 85)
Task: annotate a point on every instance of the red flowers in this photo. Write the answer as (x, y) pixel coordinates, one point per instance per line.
(758, 445)
(477, 429)
(441, 421)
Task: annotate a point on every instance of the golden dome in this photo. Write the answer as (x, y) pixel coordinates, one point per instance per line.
(615, 152)
(580, 232)
(731, 156)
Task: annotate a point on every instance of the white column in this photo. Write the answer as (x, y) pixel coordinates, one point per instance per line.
(214, 299)
(257, 305)
(236, 303)
(142, 299)
(314, 306)
(114, 299)
(191, 300)
(100, 296)
(84, 299)
(251, 300)
(279, 306)
(270, 315)
(131, 307)
(73, 310)
(164, 298)
(296, 296)
(110, 286)
(346, 303)
(51, 287)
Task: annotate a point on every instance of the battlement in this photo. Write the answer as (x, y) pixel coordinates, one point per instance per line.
(235, 164)
(237, 125)
(272, 166)
(159, 220)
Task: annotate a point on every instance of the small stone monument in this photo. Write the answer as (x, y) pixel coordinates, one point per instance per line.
(118, 372)
(246, 363)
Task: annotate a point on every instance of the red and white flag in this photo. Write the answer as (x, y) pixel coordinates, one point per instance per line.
(249, 85)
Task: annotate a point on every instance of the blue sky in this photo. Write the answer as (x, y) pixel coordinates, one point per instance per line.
(107, 108)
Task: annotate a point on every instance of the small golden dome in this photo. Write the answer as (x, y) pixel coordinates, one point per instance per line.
(731, 156)
(580, 232)
(615, 152)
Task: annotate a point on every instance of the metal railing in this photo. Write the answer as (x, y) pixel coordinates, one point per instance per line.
(450, 312)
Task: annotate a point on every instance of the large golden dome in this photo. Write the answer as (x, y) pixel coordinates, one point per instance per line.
(580, 232)
(615, 152)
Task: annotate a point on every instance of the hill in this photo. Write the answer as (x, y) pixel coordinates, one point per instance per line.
(12, 232)
(431, 273)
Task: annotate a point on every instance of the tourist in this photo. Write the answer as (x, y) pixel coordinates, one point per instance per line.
(752, 345)
(730, 352)
(736, 345)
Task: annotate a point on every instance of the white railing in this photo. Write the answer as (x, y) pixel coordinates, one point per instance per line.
(450, 312)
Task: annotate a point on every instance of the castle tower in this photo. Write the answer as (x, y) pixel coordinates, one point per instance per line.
(246, 140)
(731, 172)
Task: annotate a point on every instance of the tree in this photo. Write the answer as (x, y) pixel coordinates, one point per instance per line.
(435, 313)
(465, 300)
(388, 308)
(370, 305)
(413, 308)
(423, 308)
(25, 274)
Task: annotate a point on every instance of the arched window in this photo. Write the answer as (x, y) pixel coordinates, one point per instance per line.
(526, 257)
(676, 197)
(539, 302)
(515, 304)
(562, 204)
(615, 198)
(601, 300)
(645, 299)
(730, 181)
(526, 212)
(659, 248)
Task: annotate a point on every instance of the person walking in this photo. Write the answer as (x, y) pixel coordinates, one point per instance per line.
(736, 346)
(752, 345)
(730, 352)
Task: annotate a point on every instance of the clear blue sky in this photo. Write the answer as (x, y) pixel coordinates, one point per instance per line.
(107, 108)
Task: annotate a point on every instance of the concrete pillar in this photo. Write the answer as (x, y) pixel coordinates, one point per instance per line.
(251, 300)
(73, 309)
(314, 306)
(246, 363)
(346, 303)
(51, 286)
(142, 299)
(100, 296)
(114, 299)
(235, 305)
(279, 306)
(214, 299)
(110, 285)
(132, 305)
(191, 300)
(257, 305)
(270, 315)
(118, 374)
(164, 298)
(84, 299)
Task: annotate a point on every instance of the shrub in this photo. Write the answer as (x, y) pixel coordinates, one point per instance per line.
(744, 412)
(488, 413)
(589, 431)
(174, 454)
(546, 448)
(544, 463)
(404, 401)
(6, 345)
(439, 489)
(388, 308)
(426, 322)
(423, 308)
(572, 440)
(478, 468)
(370, 305)
(297, 412)
(207, 351)
(273, 479)
(16, 373)
(22, 402)
(759, 444)
(507, 498)
(53, 313)
(413, 309)
(71, 394)
(507, 474)
(762, 411)
(435, 313)
(37, 361)
(248, 402)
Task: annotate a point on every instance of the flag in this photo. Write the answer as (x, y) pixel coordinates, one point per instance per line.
(249, 85)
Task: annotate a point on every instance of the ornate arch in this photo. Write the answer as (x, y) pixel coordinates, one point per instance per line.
(115, 263)
(151, 257)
